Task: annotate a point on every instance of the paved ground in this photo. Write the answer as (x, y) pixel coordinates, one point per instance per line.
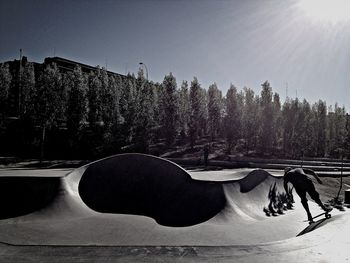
(35, 172)
(327, 244)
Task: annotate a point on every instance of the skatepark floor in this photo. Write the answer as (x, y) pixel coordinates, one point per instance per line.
(68, 232)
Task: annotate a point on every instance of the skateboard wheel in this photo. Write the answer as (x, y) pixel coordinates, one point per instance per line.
(328, 216)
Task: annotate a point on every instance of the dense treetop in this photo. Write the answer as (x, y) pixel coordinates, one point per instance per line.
(80, 115)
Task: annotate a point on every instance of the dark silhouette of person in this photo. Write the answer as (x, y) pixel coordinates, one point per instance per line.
(303, 184)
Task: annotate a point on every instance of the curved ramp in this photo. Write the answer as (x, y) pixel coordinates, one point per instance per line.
(218, 214)
(247, 197)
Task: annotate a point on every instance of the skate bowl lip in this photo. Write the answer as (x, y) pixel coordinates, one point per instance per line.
(85, 166)
(128, 154)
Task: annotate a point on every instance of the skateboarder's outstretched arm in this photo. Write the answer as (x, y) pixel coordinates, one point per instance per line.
(311, 172)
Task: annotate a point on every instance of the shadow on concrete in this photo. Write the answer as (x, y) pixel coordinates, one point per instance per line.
(313, 226)
(145, 185)
(24, 195)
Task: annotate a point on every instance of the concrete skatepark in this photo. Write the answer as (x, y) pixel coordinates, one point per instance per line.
(138, 208)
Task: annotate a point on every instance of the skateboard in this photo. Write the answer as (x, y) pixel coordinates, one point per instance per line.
(327, 215)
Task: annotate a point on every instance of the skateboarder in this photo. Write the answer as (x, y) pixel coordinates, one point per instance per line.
(303, 184)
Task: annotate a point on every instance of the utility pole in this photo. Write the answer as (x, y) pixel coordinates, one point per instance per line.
(19, 83)
(143, 64)
(126, 68)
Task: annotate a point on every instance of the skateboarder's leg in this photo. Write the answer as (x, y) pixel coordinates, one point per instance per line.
(303, 198)
(316, 197)
(306, 207)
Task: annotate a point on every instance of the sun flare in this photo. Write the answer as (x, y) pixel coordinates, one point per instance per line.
(332, 11)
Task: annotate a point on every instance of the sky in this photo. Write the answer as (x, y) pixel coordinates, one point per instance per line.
(302, 47)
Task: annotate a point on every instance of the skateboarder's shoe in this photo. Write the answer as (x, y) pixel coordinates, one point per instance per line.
(328, 209)
(310, 219)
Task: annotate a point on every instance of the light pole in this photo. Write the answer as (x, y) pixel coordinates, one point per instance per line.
(20, 83)
(143, 64)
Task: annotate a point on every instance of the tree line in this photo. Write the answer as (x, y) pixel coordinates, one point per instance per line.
(90, 115)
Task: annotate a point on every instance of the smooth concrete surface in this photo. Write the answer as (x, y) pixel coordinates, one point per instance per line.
(67, 230)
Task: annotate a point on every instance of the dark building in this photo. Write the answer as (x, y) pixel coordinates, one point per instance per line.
(66, 65)
(17, 65)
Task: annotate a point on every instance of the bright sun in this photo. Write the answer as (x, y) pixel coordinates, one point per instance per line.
(332, 11)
